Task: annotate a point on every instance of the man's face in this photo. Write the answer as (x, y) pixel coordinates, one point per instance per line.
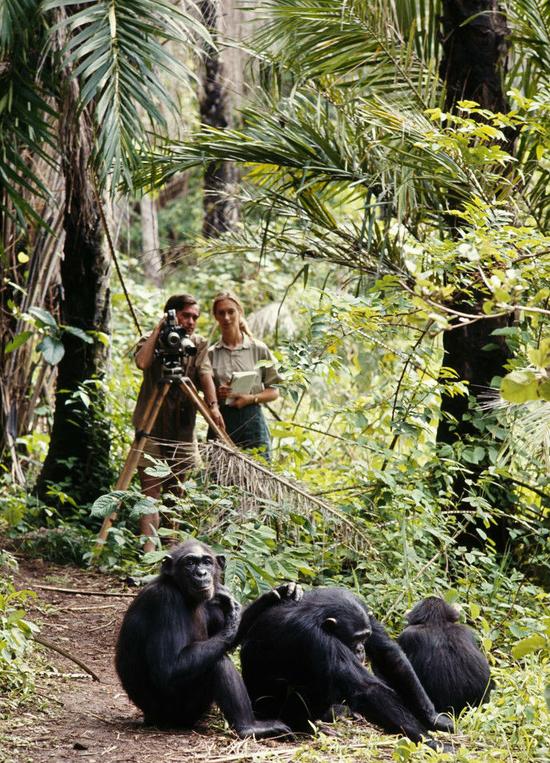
(187, 317)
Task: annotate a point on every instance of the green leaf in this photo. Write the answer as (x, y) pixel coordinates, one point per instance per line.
(79, 333)
(145, 505)
(43, 317)
(17, 341)
(52, 350)
(154, 557)
(475, 610)
(473, 455)
(528, 645)
(107, 504)
(158, 469)
(544, 390)
(519, 387)
(540, 356)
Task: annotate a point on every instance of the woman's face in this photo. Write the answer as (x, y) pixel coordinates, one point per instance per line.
(227, 314)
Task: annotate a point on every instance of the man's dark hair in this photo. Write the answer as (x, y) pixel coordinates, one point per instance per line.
(179, 301)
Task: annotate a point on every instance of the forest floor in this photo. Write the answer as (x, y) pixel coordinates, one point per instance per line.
(72, 717)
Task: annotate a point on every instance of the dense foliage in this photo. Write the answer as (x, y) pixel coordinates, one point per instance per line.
(16, 671)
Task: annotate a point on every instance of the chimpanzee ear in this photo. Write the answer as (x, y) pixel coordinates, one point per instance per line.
(329, 625)
(167, 566)
(220, 558)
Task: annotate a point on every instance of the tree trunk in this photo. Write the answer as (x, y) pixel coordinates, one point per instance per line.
(475, 46)
(220, 209)
(78, 456)
(150, 245)
(24, 285)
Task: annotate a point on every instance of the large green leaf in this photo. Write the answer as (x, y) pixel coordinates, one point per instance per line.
(52, 349)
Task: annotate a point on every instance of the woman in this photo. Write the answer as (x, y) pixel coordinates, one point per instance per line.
(238, 351)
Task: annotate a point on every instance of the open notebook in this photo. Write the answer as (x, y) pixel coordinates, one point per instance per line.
(242, 383)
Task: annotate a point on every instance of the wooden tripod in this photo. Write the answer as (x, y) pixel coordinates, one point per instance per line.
(150, 415)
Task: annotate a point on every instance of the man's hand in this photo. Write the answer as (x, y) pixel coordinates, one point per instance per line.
(217, 417)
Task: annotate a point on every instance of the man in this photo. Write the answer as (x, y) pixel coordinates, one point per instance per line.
(175, 424)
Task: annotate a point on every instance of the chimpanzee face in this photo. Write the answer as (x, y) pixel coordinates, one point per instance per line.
(352, 629)
(195, 570)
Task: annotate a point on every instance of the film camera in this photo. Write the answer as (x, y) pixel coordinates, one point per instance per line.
(173, 345)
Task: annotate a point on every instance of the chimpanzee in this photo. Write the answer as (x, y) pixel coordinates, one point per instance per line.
(171, 654)
(445, 656)
(302, 661)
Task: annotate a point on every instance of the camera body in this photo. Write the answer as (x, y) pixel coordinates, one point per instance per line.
(173, 345)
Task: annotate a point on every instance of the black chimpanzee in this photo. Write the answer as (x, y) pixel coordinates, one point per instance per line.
(171, 654)
(302, 661)
(445, 656)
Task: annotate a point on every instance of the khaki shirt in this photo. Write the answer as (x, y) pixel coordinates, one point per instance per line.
(226, 360)
(176, 419)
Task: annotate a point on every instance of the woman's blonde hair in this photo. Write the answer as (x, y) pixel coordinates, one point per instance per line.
(243, 325)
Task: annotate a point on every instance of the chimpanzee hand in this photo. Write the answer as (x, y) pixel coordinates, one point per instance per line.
(231, 610)
(442, 722)
(221, 592)
(288, 592)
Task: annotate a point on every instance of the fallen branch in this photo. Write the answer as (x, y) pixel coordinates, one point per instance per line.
(77, 591)
(87, 609)
(60, 650)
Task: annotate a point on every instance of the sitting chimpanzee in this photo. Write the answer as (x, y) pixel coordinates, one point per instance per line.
(302, 661)
(445, 656)
(171, 654)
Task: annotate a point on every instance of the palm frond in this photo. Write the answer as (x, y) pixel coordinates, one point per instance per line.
(530, 25)
(116, 49)
(26, 112)
(259, 485)
(15, 17)
(348, 43)
(313, 149)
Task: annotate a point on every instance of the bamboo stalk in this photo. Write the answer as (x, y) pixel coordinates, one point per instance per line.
(68, 655)
(80, 592)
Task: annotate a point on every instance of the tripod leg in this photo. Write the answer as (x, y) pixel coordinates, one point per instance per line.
(149, 417)
(190, 391)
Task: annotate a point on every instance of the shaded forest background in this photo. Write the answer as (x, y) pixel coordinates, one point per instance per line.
(372, 179)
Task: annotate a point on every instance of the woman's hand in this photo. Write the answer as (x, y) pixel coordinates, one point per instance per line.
(241, 401)
(223, 391)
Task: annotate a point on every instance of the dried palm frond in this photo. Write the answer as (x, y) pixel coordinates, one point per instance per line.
(260, 486)
(528, 426)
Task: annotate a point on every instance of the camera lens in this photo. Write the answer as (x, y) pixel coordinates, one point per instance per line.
(172, 339)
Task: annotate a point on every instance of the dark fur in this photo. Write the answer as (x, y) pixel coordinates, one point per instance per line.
(301, 662)
(445, 656)
(171, 654)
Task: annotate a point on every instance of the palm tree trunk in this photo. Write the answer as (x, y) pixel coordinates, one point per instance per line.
(78, 455)
(475, 45)
(220, 210)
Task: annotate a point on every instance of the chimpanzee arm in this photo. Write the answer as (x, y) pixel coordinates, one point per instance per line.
(177, 657)
(199, 657)
(343, 678)
(390, 662)
(283, 593)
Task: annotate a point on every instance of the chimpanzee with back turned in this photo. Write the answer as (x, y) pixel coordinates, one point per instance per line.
(171, 654)
(445, 656)
(302, 662)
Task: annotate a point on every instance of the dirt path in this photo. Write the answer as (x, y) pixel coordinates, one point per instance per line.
(73, 718)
